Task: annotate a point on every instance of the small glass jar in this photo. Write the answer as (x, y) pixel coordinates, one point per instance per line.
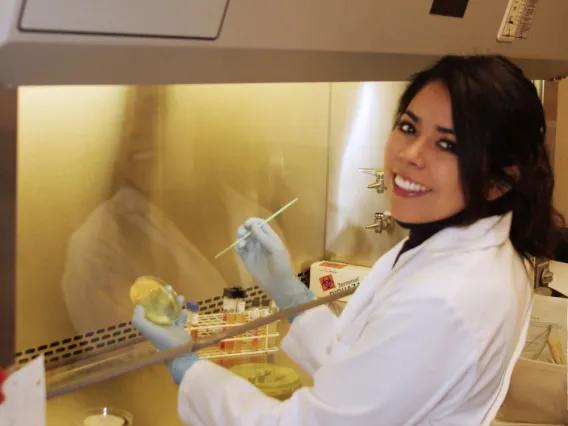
(105, 416)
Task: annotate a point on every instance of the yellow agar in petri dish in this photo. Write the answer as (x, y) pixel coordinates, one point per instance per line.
(273, 380)
(160, 306)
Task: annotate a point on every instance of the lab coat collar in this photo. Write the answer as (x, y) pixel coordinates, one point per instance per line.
(488, 232)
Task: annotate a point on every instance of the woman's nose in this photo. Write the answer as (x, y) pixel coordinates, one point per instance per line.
(413, 153)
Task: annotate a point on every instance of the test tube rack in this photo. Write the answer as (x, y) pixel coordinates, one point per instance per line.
(97, 344)
(257, 342)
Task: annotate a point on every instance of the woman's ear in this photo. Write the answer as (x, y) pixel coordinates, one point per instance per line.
(498, 189)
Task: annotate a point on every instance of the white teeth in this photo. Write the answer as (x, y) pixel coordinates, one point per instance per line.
(408, 185)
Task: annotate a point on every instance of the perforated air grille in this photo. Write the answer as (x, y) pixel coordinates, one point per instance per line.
(61, 352)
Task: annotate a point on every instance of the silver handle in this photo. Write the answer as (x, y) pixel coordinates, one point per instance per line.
(379, 184)
(542, 274)
(383, 222)
(546, 278)
(369, 171)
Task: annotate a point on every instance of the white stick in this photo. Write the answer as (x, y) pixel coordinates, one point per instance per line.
(249, 233)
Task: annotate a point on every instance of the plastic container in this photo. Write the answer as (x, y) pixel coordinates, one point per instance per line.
(105, 416)
(273, 380)
(160, 306)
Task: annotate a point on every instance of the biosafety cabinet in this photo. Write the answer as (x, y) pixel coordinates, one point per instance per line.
(136, 136)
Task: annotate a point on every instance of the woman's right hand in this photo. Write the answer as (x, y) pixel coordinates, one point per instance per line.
(268, 261)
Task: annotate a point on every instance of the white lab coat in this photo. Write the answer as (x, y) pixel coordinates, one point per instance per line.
(432, 341)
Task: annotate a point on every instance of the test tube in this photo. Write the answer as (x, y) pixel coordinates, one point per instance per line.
(229, 308)
(254, 315)
(240, 315)
(193, 308)
(264, 312)
(273, 326)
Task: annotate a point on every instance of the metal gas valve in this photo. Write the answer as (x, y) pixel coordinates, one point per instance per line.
(383, 222)
(379, 184)
(543, 276)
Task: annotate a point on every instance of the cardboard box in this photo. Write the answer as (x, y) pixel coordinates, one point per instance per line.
(328, 277)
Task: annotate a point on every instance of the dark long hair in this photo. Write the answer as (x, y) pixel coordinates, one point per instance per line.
(500, 128)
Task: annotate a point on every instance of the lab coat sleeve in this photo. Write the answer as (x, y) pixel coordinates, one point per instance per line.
(306, 348)
(404, 362)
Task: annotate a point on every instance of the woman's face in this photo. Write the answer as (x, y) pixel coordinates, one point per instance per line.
(421, 167)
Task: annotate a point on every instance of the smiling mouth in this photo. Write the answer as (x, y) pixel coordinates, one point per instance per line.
(410, 186)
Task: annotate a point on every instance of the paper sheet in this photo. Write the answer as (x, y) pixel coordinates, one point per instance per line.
(548, 321)
(560, 277)
(25, 396)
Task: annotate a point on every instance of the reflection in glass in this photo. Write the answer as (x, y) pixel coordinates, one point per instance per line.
(129, 235)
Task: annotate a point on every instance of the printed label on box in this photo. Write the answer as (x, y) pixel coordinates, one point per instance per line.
(327, 282)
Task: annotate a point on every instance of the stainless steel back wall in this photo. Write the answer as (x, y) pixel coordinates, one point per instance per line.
(117, 182)
(360, 123)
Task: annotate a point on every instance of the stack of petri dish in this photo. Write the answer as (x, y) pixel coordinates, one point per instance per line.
(273, 380)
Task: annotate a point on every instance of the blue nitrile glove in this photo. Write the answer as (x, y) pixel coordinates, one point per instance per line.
(167, 337)
(267, 260)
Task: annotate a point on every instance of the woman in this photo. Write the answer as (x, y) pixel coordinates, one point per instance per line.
(433, 333)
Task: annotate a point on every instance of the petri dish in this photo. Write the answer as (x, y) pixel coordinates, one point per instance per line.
(105, 416)
(273, 380)
(160, 306)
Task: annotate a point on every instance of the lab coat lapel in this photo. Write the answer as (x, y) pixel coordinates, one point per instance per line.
(356, 315)
(488, 232)
(359, 304)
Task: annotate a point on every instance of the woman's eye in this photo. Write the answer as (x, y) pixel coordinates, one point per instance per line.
(447, 145)
(406, 127)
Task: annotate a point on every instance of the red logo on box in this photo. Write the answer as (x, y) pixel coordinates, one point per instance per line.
(333, 265)
(327, 282)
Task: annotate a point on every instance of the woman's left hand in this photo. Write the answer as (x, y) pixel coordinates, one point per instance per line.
(167, 337)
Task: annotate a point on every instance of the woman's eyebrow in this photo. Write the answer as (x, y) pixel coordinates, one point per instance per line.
(446, 130)
(417, 119)
(412, 115)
